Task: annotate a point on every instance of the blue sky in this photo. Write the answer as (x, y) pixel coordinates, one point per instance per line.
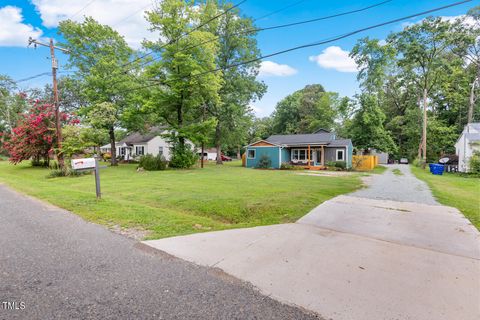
(328, 64)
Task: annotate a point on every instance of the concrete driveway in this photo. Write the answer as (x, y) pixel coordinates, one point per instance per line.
(360, 256)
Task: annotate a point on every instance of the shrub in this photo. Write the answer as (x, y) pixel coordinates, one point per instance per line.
(474, 163)
(107, 156)
(53, 165)
(37, 162)
(264, 162)
(55, 173)
(150, 163)
(330, 163)
(286, 166)
(183, 157)
(417, 162)
(340, 164)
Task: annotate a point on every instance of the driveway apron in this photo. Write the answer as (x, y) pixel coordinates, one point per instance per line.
(389, 251)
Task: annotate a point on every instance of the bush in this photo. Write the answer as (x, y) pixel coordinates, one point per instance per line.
(107, 156)
(53, 165)
(37, 162)
(183, 157)
(55, 173)
(286, 166)
(417, 162)
(264, 162)
(474, 163)
(338, 165)
(150, 163)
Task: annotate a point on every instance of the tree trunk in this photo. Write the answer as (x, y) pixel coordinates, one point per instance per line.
(239, 156)
(113, 148)
(424, 133)
(472, 98)
(218, 145)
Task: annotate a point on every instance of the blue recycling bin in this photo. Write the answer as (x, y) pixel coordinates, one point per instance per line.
(436, 168)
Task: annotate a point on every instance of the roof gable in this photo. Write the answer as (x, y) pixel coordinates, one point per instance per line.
(289, 139)
(263, 143)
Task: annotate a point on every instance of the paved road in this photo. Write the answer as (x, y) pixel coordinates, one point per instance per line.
(61, 267)
(404, 187)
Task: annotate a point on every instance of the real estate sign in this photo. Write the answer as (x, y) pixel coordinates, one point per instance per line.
(87, 163)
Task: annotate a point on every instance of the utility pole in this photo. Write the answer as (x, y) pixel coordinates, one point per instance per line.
(203, 142)
(58, 122)
(424, 129)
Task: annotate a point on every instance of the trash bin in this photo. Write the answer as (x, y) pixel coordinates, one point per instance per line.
(436, 168)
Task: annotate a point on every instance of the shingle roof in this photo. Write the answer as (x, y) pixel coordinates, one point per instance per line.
(315, 138)
(138, 137)
(340, 143)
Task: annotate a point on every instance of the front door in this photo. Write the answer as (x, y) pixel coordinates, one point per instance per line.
(318, 156)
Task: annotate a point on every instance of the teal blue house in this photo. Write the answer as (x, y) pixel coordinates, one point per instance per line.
(313, 150)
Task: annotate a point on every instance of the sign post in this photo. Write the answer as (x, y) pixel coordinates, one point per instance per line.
(86, 164)
(97, 178)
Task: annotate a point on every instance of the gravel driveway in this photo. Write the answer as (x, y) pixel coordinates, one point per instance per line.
(389, 186)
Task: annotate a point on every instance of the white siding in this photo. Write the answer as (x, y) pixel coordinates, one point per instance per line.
(154, 145)
(464, 148)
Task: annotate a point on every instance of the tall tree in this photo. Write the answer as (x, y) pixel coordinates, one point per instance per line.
(237, 44)
(367, 130)
(99, 55)
(306, 110)
(421, 48)
(186, 84)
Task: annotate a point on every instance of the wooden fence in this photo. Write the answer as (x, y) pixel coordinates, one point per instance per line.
(364, 163)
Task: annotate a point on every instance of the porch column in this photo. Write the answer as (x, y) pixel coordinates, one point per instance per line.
(323, 157)
(308, 157)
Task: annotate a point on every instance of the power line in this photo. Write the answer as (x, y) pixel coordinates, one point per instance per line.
(279, 10)
(131, 15)
(83, 8)
(332, 39)
(74, 15)
(186, 34)
(34, 77)
(254, 30)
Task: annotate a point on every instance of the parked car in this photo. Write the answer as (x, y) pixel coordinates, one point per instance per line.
(403, 160)
(225, 158)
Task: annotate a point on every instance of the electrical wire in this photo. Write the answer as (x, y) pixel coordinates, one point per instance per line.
(187, 33)
(255, 30)
(331, 39)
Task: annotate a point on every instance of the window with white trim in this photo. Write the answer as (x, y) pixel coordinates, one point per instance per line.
(121, 151)
(160, 151)
(340, 155)
(301, 154)
(139, 150)
(251, 153)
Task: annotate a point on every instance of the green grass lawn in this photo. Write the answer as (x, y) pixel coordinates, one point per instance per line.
(456, 191)
(378, 169)
(397, 172)
(176, 202)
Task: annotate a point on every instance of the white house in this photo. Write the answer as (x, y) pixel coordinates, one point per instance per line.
(208, 154)
(468, 142)
(138, 144)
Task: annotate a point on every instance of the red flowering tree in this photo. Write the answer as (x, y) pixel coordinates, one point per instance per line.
(34, 137)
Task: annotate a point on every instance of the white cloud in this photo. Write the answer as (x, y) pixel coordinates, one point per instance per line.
(125, 16)
(13, 31)
(256, 110)
(469, 21)
(335, 58)
(270, 68)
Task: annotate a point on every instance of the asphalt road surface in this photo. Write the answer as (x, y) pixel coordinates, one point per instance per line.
(54, 265)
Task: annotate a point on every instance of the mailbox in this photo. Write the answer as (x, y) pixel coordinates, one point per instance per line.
(87, 163)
